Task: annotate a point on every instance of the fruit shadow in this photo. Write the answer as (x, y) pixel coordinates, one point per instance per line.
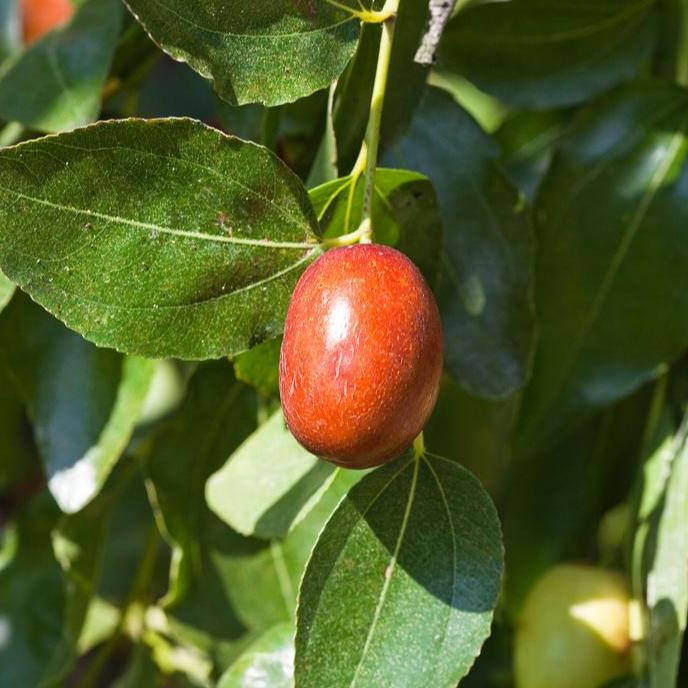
(282, 514)
(411, 534)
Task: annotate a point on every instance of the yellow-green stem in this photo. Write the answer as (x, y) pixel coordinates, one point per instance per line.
(372, 137)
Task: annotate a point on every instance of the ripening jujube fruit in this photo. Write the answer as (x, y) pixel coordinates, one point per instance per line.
(361, 359)
(40, 16)
(573, 631)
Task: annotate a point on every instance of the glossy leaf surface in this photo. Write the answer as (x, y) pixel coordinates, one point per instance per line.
(405, 576)
(611, 278)
(271, 52)
(543, 53)
(191, 249)
(485, 293)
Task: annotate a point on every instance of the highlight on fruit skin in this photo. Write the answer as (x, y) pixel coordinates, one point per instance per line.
(361, 359)
(40, 16)
(573, 631)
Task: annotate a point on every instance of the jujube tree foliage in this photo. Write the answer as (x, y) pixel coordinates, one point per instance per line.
(343, 344)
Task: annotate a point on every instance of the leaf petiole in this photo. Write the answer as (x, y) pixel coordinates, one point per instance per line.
(365, 15)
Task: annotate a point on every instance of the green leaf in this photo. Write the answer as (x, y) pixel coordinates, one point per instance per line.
(474, 428)
(56, 83)
(270, 53)
(269, 483)
(405, 83)
(32, 599)
(539, 54)
(19, 462)
(405, 214)
(611, 275)
(485, 294)
(78, 541)
(556, 497)
(6, 290)
(527, 140)
(84, 401)
(269, 661)
(217, 415)
(160, 238)
(664, 500)
(259, 367)
(404, 576)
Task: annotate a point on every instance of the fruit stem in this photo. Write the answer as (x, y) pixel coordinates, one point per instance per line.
(371, 144)
(419, 447)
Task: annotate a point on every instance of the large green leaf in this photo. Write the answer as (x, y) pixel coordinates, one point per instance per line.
(269, 483)
(405, 214)
(6, 291)
(543, 53)
(162, 238)
(612, 265)
(403, 579)
(485, 295)
(56, 83)
(84, 401)
(269, 52)
(269, 661)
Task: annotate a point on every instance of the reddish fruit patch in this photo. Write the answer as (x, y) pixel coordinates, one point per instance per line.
(40, 16)
(361, 360)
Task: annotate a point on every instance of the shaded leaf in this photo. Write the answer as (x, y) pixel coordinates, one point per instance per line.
(269, 483)
(269, 661)
(612, 263)
(270, 53)
(32, 599)
(557, 497)
(191, 249)
(19, 462)
(527, 140)
(259, 367)
(543, 53)
(405, 576)
(65, 70)
(485, 291)
(216, 416)
(84, 401)
(475, 430)
(405, 214)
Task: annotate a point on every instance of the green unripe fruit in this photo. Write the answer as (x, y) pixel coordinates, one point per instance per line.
(573, 631)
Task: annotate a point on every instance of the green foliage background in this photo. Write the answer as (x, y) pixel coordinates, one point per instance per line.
(159, 526)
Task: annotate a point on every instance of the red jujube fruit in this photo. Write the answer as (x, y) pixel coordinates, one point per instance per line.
(361, 360)
(40, 16)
